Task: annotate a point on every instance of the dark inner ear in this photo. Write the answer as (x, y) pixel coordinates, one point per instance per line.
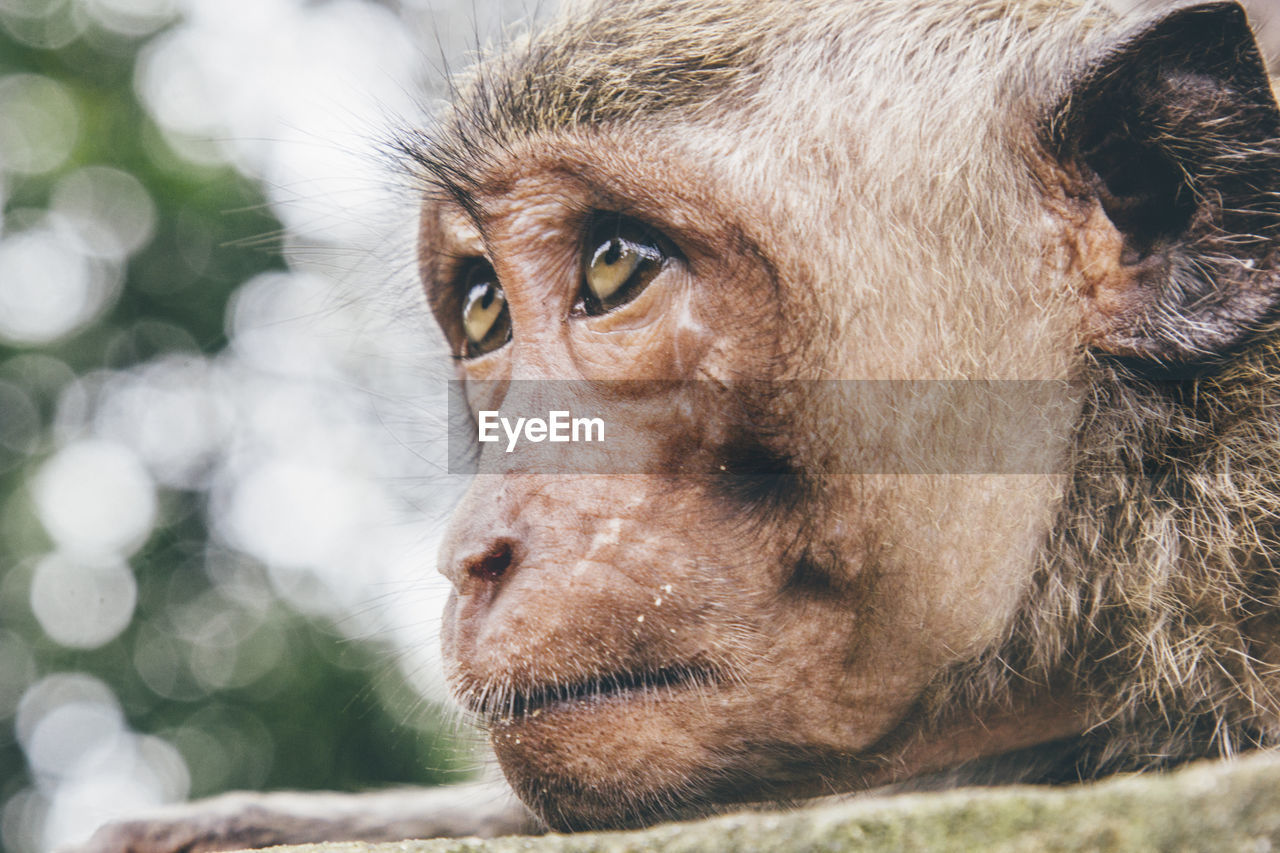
(1177, 134)
(1141, 188)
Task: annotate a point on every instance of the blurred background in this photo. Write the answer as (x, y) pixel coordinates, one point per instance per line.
(220, 404)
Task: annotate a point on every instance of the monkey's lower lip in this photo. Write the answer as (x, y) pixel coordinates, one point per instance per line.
(624, 686)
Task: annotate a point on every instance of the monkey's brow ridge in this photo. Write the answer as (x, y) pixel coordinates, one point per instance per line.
(585, 75)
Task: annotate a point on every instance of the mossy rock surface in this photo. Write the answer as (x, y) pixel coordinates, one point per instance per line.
(1212, 806)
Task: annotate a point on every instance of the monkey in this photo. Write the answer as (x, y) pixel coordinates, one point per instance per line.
(788, 248)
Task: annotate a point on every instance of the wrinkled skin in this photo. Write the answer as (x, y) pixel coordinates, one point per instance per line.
(761, 589)
(672, 639)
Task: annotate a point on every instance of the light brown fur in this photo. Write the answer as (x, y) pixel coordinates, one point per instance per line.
(946, 199)
(933, 233)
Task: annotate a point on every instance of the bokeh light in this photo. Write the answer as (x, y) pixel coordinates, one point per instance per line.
(175, 413)
(19, 424)
(81, 603)
(38, 123)
(109, 209)
(72, 730)
(65, 717)
(47, 24)
(220, 404)
(130, 17)
(94, 497)
(49, 285)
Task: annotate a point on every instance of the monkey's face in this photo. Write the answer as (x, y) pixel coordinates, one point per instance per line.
(827, 272)
(735, 608)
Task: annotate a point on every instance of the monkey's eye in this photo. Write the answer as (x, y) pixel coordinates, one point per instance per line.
(486, 322)
(619, 258)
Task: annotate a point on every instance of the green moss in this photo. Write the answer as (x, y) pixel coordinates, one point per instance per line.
(1213, 806)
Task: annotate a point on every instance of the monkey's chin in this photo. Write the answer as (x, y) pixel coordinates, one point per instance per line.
(597, 766)
(631, 758)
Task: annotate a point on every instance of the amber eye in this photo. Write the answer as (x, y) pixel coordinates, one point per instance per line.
(486, 322)
(620, 257)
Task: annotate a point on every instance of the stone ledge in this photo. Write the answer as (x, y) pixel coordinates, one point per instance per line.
(1211, 806)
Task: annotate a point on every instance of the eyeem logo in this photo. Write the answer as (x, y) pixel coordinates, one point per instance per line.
(559, 426)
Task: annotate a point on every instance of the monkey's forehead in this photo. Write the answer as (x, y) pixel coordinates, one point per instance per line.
(610, 64)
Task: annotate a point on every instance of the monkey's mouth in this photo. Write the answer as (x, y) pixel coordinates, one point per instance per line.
(514, 706)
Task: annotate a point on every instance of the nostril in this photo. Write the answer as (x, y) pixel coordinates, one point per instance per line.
(493, 564)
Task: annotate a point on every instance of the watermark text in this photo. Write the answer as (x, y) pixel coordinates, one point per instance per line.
(557, 426)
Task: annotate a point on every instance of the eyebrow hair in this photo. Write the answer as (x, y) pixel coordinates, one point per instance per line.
(593, 74)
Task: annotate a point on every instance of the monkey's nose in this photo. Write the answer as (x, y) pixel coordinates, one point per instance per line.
(491, 564)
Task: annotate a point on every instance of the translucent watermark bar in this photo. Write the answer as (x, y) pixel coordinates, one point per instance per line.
(692, 428)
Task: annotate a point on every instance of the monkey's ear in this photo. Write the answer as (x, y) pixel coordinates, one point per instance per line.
(1176, 132)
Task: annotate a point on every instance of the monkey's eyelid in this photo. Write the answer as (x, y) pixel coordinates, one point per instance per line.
(619, 257)
(480, 312)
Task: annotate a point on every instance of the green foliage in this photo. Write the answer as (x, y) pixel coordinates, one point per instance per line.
(252, 693)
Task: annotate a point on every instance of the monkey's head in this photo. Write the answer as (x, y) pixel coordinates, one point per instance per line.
(722, 226)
